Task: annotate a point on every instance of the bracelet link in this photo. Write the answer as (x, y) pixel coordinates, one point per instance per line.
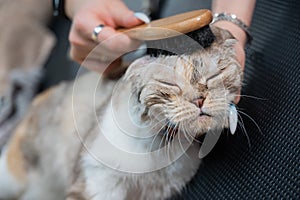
(235, 20)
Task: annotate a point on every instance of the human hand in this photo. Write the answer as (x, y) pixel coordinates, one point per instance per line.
(241, 57)
(86, 15)
(241, 38)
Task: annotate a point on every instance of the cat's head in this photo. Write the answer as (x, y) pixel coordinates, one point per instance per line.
(191, 93)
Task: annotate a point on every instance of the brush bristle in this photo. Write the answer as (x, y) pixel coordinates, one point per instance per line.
(182, 44)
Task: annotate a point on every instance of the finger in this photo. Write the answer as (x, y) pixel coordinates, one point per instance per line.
(76, 55)
(111, 39)
(116, 46)
(84, 27)
(240, 55)
(101, 67)
(104, 54)
(82, 48)
(124, 17)
(94, 65)
(80, 51)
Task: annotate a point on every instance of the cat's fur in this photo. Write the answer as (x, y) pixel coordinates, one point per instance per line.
(46, 159)
(25, 43)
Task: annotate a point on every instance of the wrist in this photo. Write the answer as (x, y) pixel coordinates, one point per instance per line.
(235, 25)
(238, 33)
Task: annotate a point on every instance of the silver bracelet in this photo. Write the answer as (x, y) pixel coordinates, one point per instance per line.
(233, 18)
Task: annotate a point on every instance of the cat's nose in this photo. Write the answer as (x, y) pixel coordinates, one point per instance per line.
(199, 102)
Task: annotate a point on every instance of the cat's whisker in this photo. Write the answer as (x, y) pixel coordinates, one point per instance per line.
(189, 135)
(193, 137)
(217, 104)
(167, 146)
(152, 143)
(185, 113)
(175, 132)
(158, 122)
(214, 101)
(252, 97)
(256, 124)
(246, 134)
(219, 97)
(242, 125)
(167, 143)
(218, 100)
(182, 148)
(157, 135)
(165, 136)
(162, 126)
(179, 116)
(185, 134)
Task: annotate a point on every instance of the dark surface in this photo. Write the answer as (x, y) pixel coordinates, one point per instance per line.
(270, 167)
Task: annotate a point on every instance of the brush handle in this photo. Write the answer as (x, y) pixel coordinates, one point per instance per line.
(170, 26)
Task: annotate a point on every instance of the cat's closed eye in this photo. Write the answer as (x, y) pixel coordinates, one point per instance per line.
(167, 83)
(168, 87)
(212, 76)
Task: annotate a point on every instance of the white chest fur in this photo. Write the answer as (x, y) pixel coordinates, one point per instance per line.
(120, 165)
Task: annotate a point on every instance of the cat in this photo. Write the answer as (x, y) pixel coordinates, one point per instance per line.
(25, 44)
(136, 138)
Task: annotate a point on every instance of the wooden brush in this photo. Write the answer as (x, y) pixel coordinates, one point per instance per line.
(168, 36)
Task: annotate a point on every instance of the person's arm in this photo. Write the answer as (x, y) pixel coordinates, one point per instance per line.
(242, 9)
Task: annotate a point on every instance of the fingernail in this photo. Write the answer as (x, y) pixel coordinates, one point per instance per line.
(142, 16)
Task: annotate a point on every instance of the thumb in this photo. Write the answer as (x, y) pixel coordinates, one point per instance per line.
(131, 21)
